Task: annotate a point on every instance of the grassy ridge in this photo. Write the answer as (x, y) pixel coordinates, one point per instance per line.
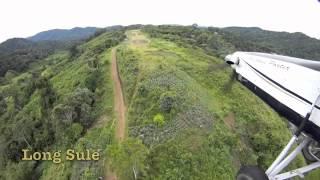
(207, 130)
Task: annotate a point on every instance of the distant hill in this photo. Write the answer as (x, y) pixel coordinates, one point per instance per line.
(292, 44)
(17, 53)
(64, 34)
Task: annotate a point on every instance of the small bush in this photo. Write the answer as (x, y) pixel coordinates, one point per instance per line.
(167, 101)
(159, 119)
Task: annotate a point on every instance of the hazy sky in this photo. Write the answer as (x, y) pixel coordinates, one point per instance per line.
(23, 18)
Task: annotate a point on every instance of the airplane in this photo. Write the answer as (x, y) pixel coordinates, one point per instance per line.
(291, 86)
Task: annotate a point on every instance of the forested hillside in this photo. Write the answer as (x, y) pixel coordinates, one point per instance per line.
(184, 118)
(222, 41)
(292, 44)
(18, 53)
(53, 104)
(64, 34)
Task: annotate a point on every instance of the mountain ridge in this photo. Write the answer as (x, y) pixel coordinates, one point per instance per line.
(295, 44)
(184, 118)
(76, 33)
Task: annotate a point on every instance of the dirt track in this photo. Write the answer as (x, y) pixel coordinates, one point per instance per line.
(136, 40)
(119, 106)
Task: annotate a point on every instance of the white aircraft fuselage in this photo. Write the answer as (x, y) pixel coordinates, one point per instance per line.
(290, 85)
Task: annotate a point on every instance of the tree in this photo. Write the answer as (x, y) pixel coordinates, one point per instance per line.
(128, 158)
(46, 91)
(76, 108)
(10, 106)
(74, 51)
(93, 79)
(63, 113)
(167, 101)
(82, 100)
(3, 105)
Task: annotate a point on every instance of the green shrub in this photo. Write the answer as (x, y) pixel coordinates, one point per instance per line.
(158, 119)
(128, 158)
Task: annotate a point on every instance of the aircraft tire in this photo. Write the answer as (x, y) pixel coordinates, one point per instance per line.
(251, 173)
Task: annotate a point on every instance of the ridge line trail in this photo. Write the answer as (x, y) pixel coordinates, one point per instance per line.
(119, 105)
(135, 40)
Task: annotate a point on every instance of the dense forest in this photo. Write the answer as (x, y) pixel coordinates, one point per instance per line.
(184, 118)
(222, 41)
(53, 103)
(17, 54)
(292, 44)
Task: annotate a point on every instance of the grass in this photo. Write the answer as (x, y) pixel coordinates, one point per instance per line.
(192, 123)
(159, 75)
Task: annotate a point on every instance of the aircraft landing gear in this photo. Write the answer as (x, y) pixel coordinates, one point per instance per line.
(282, 161)
(311, 152)
(251, 173)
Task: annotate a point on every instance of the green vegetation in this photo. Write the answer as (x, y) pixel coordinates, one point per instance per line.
(128, 158)
(158, 119)
(292, 44)
(221, 41)
(18, 54)
(206, 131)
(184, 118)
(53, 107)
